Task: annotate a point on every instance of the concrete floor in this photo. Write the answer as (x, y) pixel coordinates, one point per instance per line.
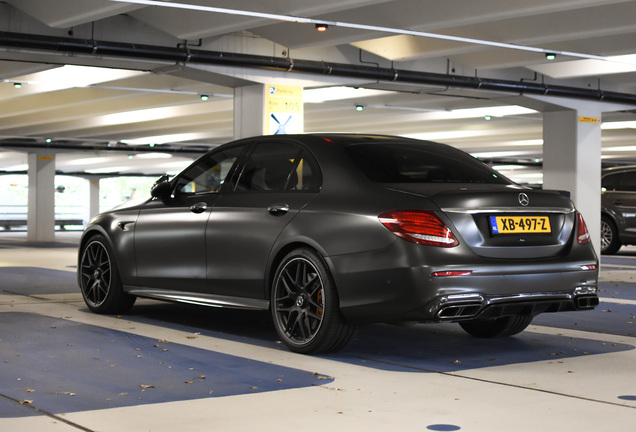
(167, 367)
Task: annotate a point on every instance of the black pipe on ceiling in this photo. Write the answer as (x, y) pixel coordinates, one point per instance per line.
(124, 148)
(186, 55)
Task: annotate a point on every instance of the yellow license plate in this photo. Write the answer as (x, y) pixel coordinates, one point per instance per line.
(520, 224)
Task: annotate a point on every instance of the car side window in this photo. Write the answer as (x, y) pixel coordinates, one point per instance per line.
(628, 181)
(610, 182)
(277, 167)
(209, 174)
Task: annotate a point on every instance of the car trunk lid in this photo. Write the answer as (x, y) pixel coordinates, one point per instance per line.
(503, 221)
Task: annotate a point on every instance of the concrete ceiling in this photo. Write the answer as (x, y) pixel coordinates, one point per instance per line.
(142, 98)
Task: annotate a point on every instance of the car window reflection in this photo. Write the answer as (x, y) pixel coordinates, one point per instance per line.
(209, 175)
(279, 167)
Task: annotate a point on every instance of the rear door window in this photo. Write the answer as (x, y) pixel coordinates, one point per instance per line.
(279, 167)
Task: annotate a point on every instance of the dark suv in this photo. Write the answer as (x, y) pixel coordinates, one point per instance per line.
(618, 208)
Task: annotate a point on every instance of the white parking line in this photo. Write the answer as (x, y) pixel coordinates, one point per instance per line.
(618, 301)
(618, 266)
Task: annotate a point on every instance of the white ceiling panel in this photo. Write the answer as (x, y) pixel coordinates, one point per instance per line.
(140, 97)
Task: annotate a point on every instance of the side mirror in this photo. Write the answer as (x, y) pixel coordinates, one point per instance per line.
(162, 188)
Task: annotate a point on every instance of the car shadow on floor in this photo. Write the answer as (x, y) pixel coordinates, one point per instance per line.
(418, 348)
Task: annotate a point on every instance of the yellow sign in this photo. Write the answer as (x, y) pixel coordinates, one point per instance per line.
(284, 109)
(589, 120)
(47, 158)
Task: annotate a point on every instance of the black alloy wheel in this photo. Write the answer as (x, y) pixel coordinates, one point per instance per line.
(305, 305)
(99, 279)
(498, 327)
(610, 243)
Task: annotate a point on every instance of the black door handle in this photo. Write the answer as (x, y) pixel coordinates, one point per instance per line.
(199, 207)
(278, 209)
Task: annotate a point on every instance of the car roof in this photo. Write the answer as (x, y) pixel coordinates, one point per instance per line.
(619, 169)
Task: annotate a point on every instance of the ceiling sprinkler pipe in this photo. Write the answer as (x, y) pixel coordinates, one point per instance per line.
(130, 50)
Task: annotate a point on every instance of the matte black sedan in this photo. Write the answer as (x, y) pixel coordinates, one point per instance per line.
(333, 231)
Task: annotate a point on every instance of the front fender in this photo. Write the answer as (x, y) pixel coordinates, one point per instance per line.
(119, 231)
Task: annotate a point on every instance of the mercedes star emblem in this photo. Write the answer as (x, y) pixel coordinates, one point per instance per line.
(523, 199)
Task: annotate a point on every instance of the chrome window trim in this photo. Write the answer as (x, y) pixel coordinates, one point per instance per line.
(509, 210)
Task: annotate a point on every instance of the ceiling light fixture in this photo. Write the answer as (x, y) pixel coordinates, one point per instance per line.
(550, 56)
(322, 27)
(153, 155)
(204, 97)
(17, 85)
(289, 18)
(618, 125)
(165, 139)
(359, 107)
(325, 94)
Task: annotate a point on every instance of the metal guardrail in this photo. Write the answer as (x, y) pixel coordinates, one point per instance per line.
(13, 216)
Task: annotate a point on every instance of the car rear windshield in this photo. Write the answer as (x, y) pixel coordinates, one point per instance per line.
(426, 163)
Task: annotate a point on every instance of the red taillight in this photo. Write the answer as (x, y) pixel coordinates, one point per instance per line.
(452, 273)
(582, 234)
(418, 226)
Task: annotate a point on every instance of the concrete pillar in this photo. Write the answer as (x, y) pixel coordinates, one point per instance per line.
(572, 160)
(41, 210)
(267, 109)
(93, 196)
(572, 151)
(249, 111)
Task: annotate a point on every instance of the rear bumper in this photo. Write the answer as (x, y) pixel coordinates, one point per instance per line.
(476, 306)
(393, 285)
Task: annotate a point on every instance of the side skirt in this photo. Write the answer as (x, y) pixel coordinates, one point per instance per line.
(199, 298)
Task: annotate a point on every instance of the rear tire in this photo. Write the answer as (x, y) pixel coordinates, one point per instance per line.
(305, 305)
(610, 243)
(99, 279)
(498, 327)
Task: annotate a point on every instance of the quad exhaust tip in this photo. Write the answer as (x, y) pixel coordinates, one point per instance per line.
(587, 302)
(468, 310)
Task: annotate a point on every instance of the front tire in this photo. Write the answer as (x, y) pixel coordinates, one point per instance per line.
(498, 327)
(99, 279)
(305, 305)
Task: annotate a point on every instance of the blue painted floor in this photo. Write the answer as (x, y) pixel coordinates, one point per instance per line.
(63, 366)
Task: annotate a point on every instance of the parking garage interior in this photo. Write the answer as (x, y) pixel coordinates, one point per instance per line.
(103, 90)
